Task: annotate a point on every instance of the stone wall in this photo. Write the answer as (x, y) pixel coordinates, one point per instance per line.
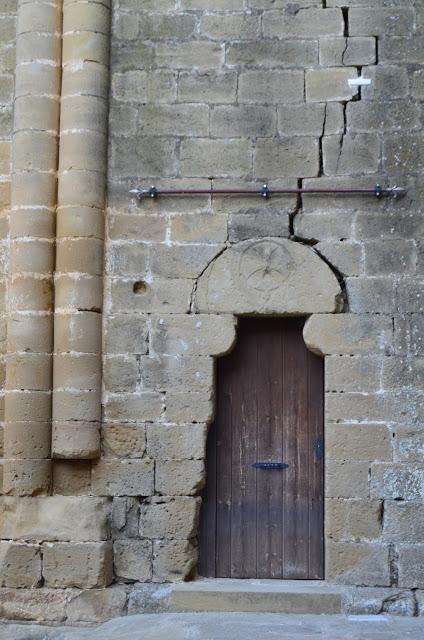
(213, 95)
(7, 69)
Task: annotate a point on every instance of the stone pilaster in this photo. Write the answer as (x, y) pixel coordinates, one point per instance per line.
(79, 253)
(27, 467)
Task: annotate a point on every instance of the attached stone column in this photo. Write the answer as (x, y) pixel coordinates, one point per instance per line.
(80, 230)
(27, 466)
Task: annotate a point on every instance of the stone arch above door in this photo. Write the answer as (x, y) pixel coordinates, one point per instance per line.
(268, 276)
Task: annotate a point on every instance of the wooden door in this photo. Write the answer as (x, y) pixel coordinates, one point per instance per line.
(265, 522)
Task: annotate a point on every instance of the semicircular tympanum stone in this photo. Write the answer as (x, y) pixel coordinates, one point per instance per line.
(268, 276)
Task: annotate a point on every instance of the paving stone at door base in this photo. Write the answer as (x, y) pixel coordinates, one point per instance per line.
(229, 626)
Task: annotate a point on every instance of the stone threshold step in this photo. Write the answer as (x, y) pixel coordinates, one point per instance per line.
(258, 596)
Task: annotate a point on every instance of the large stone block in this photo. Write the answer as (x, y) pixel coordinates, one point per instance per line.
(351, 154)
(347, 51)
(175, 119)
(133, 560)
(353, 373)
(308, 23)
(272, 53)
(366, 116)
(174, 518)
(84, 565)
(209, 87)
(310, 119)
(176, 374)
(367, 442)
(373, 600)
(133, 407)
(144, 228)
(346, 257)
(189, 55)
(173, 560)
(96, 605)
(243, 121)
(411, 566)
(189, 335)
(358, 563)
(347, 479)
(397, 481)
(38, 605)
(331, 84)
(353, 520)
(371, 294)
(120, 373)
(270, 86)
(123, 477)
(80, 519)
(121, 440)
(125, 334)
(227, 27)
(143, 86)
(171, 295)
(20, 565)
(403, 521)
(176, 442)
(182, 261)
(267, 276)
(203, 157)
(179, 477)
(390, 21)
(127, 259)
(293, 157)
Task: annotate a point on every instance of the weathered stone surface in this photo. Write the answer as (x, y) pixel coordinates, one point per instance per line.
(173, 560)
(348, 334)
(397, 481)
(80, 519)
(149, 598)
(366, 601)
(267, 276)
(403, 521)
(363, 563)
(353, 373)
(86, 565)
(347, 479)
(170, 517)
(411, 565)
(331, 84)
(351, 154)
(123, 477)
(347, 51)
(38, 605)
(176, 442)
(353, 520)
(132, 560)
(358, 442)
(179, 477)
(20, 565)
(294, 157)
(191, 335)
(176, 373)
(97, 605)
(124, 440)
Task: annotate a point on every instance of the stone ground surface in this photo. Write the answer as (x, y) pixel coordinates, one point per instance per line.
(229, 626)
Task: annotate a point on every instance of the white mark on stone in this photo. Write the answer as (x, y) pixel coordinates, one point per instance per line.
(198, 324)
(359, 82)
(184, 345)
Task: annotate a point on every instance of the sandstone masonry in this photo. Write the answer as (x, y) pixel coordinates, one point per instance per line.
(114, 322)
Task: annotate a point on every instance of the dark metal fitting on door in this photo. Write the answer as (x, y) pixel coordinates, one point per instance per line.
(270, 465)
(265, 192)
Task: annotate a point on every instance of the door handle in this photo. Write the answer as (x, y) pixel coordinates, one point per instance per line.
(270, 465)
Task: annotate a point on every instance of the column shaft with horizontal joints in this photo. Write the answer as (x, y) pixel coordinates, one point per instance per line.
(80, 230)
(27, 465)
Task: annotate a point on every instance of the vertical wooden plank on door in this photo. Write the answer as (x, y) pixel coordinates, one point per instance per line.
(245, 424)
(269, 449)
(223, 423)
(295, 427)
(316, 462)
(207, 533)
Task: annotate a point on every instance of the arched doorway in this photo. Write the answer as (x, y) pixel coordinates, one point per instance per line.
(262, 514)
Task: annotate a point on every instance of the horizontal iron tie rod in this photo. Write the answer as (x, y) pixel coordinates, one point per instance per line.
(266, 192)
